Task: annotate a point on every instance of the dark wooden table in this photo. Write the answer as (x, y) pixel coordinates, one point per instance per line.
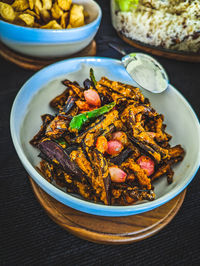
(28, 236)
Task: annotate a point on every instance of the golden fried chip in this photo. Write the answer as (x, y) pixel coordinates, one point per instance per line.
(38, 6)
(76, 16)
(27, 19)
(69, 26)
(7, 12)
(53, 24)
(65, 4)
(32, 13)
(47, 4)
(64, 20)
(20, 5)
(45, 15)
(56, 11)
(31, 4)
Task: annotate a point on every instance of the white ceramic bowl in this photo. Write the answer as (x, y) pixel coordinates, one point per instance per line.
(33, 100)
(52, 43)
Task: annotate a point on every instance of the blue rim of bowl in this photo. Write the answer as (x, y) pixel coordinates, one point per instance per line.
(81, 204)
(21, 34)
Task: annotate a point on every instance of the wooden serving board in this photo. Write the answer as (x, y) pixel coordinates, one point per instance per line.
(34, 63)
(108, 230)
(176, 55)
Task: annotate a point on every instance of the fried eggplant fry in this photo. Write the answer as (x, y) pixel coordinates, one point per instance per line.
(109, 154)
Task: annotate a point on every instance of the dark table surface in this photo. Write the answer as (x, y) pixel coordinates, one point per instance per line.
(28, 236)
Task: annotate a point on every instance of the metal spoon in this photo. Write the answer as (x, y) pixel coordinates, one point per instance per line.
(144, 70)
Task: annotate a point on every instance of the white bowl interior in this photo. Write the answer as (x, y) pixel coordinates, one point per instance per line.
(181, 121)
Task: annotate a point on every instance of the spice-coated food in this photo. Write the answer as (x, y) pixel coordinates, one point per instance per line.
(109, 151)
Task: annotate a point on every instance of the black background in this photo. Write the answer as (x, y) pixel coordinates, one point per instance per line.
(29, 237)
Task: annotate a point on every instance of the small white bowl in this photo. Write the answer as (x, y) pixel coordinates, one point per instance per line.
(33, 100)
(52, 43)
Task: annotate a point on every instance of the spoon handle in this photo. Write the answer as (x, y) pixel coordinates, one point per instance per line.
(117, 48)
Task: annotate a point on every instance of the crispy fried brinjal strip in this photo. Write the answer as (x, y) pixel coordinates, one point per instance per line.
(141, 195)
(164, 169)
(59, 100)
(161, 136)
(74, 186)
(108, 92)
(146, 139)
(80, 158)
(119, 159)
(150, 142)
(132, 110)
(101, 165)
(129, 195)
(80, 186)
(57, 155)
(101, 180)
(47, 170)
(176, 154)
(170, 174)
(99, 125)
(68, 105)
(92, 136)
(89, 129)
(140, 174)
(58, 126)
(124, 89)
(122, 104)
(147, 149)
(85, 191)
(105, 99)
(46, 120)
(176, 151)
(156, 127)
(75, 87)
(53, 173)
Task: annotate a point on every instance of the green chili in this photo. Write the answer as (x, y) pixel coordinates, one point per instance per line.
(79, 120)
(92, 77)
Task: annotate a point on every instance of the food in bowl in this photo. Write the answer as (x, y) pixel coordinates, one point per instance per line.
(169, 24)
(51, 43)
(105, 142)
(46, 14)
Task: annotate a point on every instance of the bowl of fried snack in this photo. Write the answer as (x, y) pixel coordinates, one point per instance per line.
(93, 140)
(48, 28)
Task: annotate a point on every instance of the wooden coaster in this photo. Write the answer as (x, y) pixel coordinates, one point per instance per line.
(108, 230)
(34, 63)
(176, 55)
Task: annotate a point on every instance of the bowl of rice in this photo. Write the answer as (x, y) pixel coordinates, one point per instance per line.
(172, 25)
